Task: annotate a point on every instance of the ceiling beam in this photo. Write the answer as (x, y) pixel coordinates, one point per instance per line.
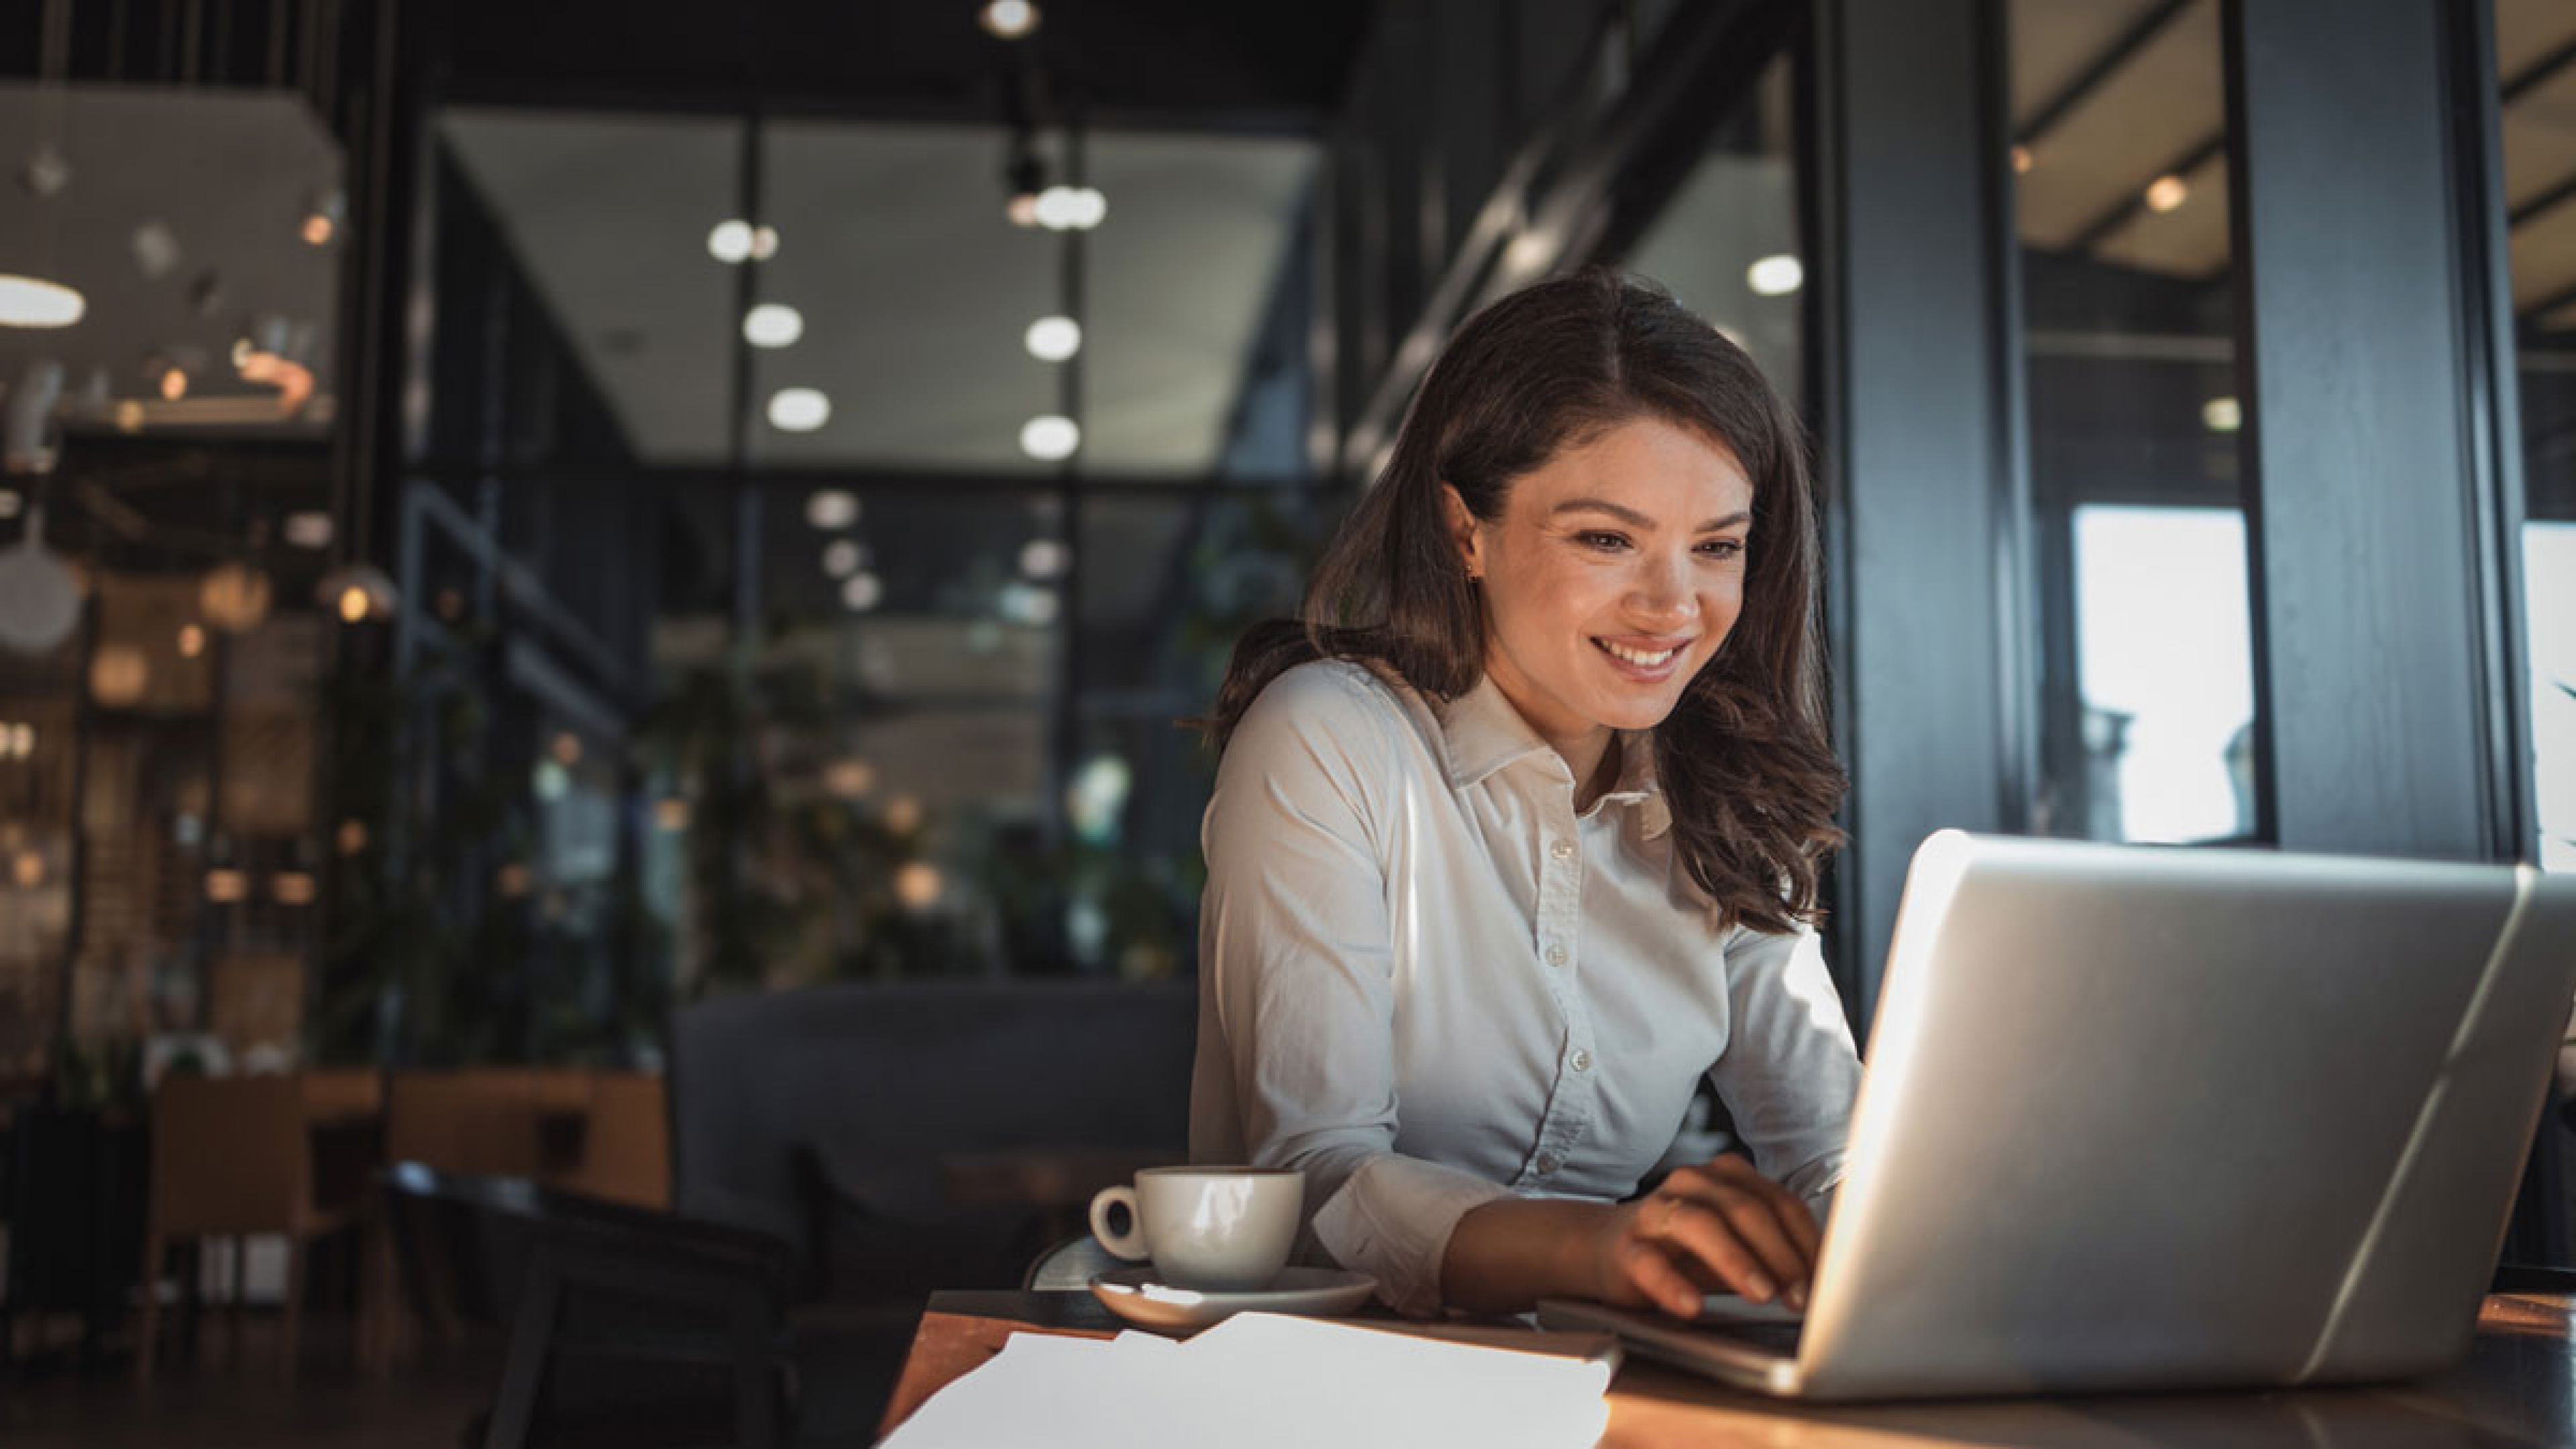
(2547, 304)
(2118, 215)
(2113, 57)
(2521, 83)
(2539, 71)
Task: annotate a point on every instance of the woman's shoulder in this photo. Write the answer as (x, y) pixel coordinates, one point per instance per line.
(1345, 701)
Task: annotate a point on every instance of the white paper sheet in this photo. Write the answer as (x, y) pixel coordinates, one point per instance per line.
(1262, 1379)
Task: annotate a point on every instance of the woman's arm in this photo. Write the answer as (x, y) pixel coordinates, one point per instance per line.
(1722, 1224)
(1298, 986)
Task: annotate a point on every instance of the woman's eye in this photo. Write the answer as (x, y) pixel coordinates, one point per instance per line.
(1601, 540)
(1723, 548)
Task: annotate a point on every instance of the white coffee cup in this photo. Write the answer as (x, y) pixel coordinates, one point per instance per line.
(1219, 1229)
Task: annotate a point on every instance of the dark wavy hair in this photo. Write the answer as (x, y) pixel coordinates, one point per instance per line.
(1745, 759)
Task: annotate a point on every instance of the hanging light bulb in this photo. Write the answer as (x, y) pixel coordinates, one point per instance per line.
(1008, 19)
(357, 592)
(235, 597)
(40, 597)
(324, 209)
(1025, 179)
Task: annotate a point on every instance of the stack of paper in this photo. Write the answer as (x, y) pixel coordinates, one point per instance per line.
(1262, 1379)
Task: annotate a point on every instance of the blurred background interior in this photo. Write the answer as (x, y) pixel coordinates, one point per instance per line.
(597, 598)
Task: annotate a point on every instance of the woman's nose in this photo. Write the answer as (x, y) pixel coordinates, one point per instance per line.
(1662, 589)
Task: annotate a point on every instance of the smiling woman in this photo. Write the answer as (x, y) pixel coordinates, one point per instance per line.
(1515, 835)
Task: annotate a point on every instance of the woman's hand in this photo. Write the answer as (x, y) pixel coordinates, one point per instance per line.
(1719, 1225)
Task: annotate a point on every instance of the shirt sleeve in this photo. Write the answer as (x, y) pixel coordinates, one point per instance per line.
(1789, 1074)
(1297, 966)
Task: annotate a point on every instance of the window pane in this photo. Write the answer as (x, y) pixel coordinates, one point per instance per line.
(583, 314)
(2145, 659)
(2533, 62)
(2167, 675)
(915, 296)
(2549, 578)
(1728, 243)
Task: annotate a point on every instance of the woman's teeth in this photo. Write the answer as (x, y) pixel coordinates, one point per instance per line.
(1639, 657)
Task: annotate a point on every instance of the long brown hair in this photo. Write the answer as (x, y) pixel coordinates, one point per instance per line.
(1744, 758)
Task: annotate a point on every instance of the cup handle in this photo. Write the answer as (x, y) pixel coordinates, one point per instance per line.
(1129, 1244)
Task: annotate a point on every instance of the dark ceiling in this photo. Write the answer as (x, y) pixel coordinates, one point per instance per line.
(1163, 63)
(1123, 62)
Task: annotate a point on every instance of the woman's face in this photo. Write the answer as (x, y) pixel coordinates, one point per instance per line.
(1610, 578)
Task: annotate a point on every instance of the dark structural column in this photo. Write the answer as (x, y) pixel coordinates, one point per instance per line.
(1918, 449)
(2373, 328)
(2376, 550)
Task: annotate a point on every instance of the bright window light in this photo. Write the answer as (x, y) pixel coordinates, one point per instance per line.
(2165, 667)
(2549, 609)
(730, 242)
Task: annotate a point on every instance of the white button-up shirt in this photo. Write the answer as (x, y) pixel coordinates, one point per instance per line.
(1429, 983)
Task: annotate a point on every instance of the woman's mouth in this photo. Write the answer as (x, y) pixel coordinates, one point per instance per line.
(1644, 662)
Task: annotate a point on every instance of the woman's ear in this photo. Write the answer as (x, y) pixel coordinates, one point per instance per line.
(1462, 531)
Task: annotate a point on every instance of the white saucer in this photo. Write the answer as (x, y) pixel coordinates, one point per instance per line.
(1132, 1294)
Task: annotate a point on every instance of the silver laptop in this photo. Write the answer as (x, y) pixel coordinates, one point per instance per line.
(2143, 1117)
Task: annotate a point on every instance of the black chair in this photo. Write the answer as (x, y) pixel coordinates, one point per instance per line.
(625, 1324)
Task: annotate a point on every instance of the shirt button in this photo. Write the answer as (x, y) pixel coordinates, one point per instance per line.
(1549, 1162)
(1556, 955)
(1582, 1060)
(1562, 850)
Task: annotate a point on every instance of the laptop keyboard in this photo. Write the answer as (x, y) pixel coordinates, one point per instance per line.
(1779, 1338)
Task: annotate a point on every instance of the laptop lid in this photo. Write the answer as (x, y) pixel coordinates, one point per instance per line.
(2142, 1116)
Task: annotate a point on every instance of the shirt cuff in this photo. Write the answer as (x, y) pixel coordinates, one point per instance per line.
(1392, 1221)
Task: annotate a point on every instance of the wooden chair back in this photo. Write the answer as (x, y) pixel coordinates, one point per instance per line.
(229, 1155)
(626, 1149)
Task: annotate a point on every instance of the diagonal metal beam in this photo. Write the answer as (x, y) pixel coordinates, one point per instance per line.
(2114, 56)
(2522, 82)
(2543, 202)
(2539, 71)
(2116, 216)
(2548, 304)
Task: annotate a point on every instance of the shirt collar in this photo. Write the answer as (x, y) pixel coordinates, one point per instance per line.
(1481, 733)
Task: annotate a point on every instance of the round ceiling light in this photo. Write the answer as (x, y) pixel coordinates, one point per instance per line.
(1008, 19)
(734, 241)
(1053, 339)
(1071, 208)
(830, 508)
(1775, 276)
(35, 302)
(772, 324)
(1050, 437)
(799, 409)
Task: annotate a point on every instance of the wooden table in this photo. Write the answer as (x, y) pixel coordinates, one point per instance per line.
(2518, 1387)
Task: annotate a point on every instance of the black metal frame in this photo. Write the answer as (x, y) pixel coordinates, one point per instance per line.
(1925, 494)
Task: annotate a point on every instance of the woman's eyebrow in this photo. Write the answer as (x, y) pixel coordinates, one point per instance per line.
(1634, 519)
